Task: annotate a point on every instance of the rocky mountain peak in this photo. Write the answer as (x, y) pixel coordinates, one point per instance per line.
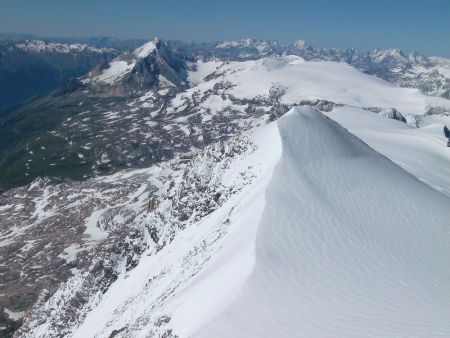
(155, 63)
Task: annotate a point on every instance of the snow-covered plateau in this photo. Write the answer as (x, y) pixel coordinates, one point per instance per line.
(291, 198)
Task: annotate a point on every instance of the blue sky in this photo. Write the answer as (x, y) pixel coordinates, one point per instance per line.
(423, 26)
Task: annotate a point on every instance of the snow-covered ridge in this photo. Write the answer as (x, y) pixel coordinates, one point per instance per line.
(279, 252)
(178, 234)
(328, 266)
(39, 46)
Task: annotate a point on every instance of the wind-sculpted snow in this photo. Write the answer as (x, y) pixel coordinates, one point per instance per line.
(349, 245)
(294, 229)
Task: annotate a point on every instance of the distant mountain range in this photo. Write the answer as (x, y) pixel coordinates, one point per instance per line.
(30, 68)
(38, 66)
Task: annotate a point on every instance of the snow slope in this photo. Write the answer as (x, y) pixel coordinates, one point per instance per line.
(118, 68)
(421, 151)
(328, 238)
(313, 234)
(298, 80)
(163, 284)
(144, 50)
(349, 245)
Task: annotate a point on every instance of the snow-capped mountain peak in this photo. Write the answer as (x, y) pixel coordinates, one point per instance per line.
(148, 65)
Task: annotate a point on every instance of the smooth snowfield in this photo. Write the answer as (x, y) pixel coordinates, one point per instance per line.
(421, 151)
(116, 70)
(349, 245)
